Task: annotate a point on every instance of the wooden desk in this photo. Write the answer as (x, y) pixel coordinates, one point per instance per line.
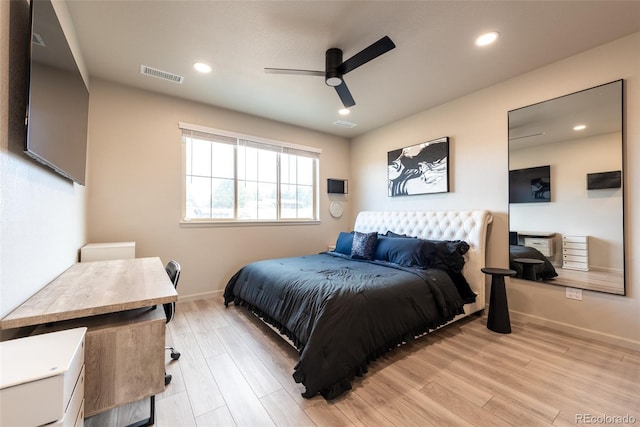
(125, 338)
(92, 288)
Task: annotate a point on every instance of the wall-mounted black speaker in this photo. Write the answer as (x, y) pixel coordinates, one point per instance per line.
(600, 180)
(337, 186)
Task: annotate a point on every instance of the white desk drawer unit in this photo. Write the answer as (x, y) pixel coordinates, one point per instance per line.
(543, 244)
(42, 380)
(575, 252)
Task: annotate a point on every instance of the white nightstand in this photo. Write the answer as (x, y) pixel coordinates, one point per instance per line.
(42, 380)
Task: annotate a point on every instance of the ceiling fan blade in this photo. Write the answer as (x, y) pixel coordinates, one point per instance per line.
(345, 95)
(294, 71)
(367, 54)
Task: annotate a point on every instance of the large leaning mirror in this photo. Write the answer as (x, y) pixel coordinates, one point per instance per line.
(566, 190)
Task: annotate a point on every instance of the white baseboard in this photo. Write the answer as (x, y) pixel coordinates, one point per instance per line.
(575, 330)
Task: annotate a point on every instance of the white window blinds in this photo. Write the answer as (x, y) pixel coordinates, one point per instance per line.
(234, 177)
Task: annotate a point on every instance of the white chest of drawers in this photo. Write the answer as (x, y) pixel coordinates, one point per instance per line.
(575, 252)
(42, 380)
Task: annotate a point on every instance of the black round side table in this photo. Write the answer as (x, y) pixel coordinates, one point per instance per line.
(528, 267)
(498, 320)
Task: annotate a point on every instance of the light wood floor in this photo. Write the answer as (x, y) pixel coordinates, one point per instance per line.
(236, 371)
(603, 281)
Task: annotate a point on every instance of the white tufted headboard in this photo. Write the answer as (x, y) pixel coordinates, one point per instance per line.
(470, 226)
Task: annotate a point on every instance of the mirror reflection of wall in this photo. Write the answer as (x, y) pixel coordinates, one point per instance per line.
(566, 225)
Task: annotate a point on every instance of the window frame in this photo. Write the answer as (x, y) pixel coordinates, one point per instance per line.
(239, 137)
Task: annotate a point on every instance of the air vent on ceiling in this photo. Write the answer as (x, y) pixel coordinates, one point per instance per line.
(345, 124)
(164, 75)
(38, 40)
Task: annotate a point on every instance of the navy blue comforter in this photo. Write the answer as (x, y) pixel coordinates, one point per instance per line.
(343, 313)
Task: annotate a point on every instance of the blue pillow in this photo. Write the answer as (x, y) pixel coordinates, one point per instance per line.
(344, 243)
(382, 248)
(401, 251)
(364, 245)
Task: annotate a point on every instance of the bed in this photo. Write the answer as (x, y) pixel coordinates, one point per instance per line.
(343, 311)
(544, 271)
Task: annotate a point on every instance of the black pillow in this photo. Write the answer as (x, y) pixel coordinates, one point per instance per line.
(459, 246)
(364, 245)
(390, 233)
(446, 254)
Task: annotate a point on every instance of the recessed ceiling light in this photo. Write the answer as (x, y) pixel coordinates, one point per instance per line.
(579, 127)
(344, 111)
(201, 67)
(487, 38)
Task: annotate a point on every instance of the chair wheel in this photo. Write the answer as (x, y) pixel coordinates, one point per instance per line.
(167, 379)
(175, 355)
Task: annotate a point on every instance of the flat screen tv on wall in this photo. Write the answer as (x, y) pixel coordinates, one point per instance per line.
(530, 185)
(337, 186)
(58, 99)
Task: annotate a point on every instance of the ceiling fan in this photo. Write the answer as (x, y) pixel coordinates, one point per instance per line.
(335, 68)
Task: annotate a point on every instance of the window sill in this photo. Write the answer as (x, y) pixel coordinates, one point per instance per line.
(254, 223)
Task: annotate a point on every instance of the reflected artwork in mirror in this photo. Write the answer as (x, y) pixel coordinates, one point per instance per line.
(576, 238)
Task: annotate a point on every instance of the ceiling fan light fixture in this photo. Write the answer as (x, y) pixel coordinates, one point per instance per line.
(333, 81)
(344, 111)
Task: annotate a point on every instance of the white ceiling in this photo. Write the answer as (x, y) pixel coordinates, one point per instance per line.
(435, 60)
(552, 121)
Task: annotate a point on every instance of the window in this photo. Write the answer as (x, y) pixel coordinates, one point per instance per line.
(232, 177)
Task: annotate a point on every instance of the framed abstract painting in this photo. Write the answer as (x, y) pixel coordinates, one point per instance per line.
(419, 169)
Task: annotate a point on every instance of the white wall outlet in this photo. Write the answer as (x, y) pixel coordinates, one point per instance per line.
(573, 293)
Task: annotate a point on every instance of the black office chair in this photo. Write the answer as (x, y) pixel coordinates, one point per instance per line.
(173, 270)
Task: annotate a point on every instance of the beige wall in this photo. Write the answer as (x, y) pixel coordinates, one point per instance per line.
(133, 188)
(136, 177)
(42, 215)
(477, 126)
